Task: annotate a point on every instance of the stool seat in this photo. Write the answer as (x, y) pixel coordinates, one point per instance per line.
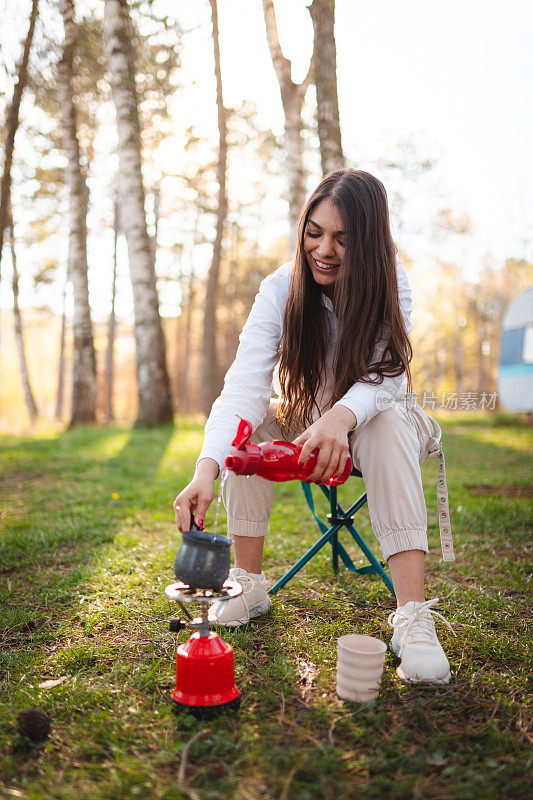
(337, 519)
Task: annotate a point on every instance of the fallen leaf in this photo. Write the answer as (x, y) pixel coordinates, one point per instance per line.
(49, 684)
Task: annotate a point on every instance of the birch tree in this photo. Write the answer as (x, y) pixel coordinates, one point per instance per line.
(292, 98)
(152, 377)
(19, 331)
(211, 379)
(325, 78)
(84, 359)
(184, 396)
(12, 123)
(60, 393)
(111, 324)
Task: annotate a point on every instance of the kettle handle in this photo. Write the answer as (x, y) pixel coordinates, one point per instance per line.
(194, 526)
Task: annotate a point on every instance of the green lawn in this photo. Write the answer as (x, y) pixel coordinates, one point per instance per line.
(87, 544)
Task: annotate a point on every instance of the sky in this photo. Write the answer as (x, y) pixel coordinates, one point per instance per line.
(453, 76)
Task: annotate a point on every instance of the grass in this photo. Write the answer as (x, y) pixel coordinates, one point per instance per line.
(86, 548)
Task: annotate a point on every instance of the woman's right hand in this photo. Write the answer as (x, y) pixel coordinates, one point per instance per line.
(197, 496)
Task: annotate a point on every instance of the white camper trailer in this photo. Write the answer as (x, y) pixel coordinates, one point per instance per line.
(515, 379)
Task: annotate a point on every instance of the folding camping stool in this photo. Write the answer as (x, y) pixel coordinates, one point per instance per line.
(337, 518)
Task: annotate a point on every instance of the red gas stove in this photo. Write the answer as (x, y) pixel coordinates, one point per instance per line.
(205, 681)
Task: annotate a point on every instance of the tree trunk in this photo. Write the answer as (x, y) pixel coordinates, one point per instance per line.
(155, 405)
(329, 131)
(211, 378)
(111, 326)
(84, 359)
(185, 393)
(183, 363)
(11, 126)
(292, 98)
(19, 333)
(61, 364)
(157, 205)
(233, 282)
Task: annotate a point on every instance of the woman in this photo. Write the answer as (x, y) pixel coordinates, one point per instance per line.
(337, 321)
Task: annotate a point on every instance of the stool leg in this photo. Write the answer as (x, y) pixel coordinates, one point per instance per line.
(372, 558)
(335, 538)
(335, 552)
(303, 561)
(337, 510)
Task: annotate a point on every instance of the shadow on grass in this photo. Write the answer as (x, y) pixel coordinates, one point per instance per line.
(64, 499)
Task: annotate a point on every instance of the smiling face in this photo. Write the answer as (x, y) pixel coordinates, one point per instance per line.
(324, 244)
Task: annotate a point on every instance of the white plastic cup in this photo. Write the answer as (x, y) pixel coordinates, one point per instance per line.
(360, 661)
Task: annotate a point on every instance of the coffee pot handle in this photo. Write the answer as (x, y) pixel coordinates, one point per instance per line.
(194, 526)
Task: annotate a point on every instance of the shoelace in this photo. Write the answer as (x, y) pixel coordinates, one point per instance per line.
(419, 625)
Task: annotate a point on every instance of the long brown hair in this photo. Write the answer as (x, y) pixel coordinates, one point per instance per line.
(366, 302)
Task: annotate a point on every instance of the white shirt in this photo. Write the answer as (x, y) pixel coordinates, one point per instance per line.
(248, 385)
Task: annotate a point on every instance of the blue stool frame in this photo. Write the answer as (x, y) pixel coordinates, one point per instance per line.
(337, 518)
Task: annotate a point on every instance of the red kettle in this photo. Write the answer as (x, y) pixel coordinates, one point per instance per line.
(276, 460)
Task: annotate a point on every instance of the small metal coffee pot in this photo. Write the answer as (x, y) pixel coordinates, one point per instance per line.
(203, 559)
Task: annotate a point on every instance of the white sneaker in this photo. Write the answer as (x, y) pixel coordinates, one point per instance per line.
(415, 641)
(253, 601)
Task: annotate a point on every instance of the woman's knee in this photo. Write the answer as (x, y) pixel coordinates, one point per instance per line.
(386, 435)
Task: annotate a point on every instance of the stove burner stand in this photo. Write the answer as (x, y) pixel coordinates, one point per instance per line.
(204, 663)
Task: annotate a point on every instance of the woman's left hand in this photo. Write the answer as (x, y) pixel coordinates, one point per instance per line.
(330, 435)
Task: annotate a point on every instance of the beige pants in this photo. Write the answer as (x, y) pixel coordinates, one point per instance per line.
(388, 451)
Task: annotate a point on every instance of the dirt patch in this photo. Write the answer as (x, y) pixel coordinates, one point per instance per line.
(507, 491)
(307, 672)
(19, 478)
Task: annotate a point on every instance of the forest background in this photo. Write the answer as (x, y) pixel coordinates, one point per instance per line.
(140, 208)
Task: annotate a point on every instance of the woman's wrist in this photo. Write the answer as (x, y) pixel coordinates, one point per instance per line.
(207, 466)
(344, 416)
